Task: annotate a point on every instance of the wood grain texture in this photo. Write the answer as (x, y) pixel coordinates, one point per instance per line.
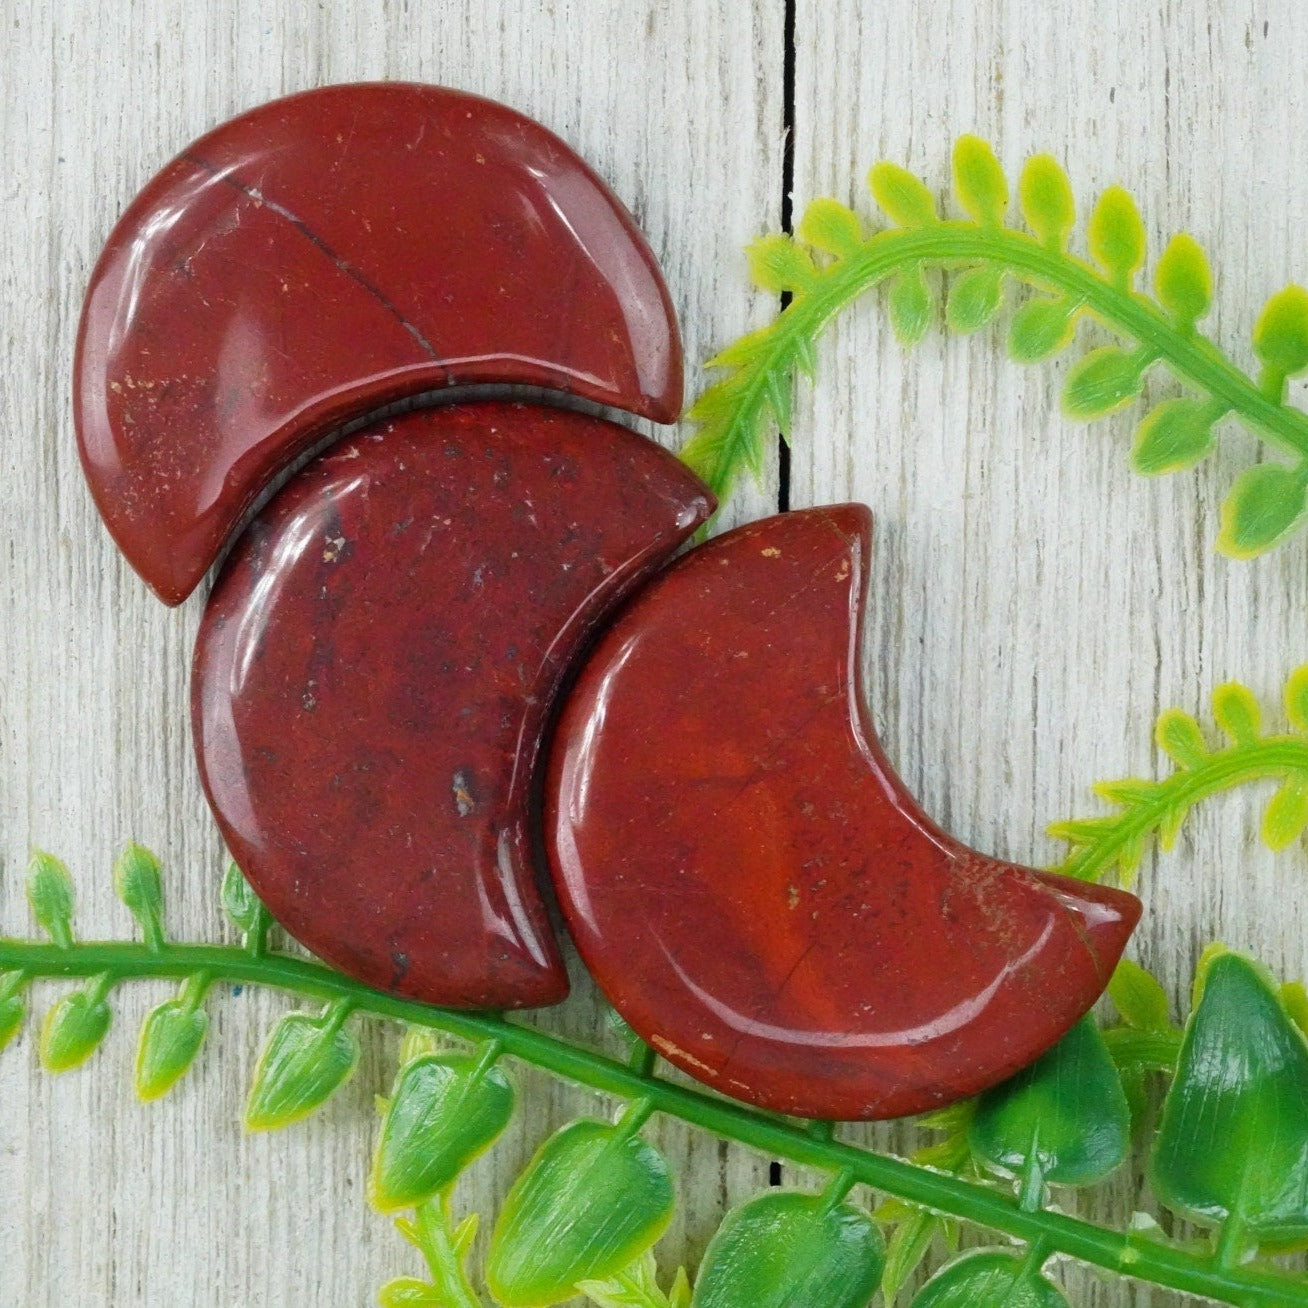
(1034, 604)
(103, 1201)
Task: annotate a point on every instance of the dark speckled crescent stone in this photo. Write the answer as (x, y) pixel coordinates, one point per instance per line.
(376, 667)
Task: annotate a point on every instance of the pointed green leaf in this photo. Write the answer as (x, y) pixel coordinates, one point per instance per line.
(1117, 235)
(445, 1111)
(979, 181)
(306, 1060)
(1139, 998)
(1280, 337)
(636, 1286)
(1184, 281)
(903, 197)
(170, 1040)
(1233, 1139)
(73, 1030)
(1296, 698)
(679, 1296)
(831, 226)
(50, 893)
(974, 298)
(590, 1203)
(139, 885)
(243, 906)
(1041, 328)
(909, 1245)
(1177, 734)
(1105, 380)
(783, 1249)
(990, 1280)
(1067, 1112)
(1267, 502)
(777, 264)
(1174, 436)
(1126, 791)
(1045, 196)
(13, 1011)
(910, 305)
(1287, 814)
(1238, 713)
(409, 1292)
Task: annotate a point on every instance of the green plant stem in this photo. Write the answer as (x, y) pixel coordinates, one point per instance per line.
(941, 1193)
(1267, 759)
(435, 1240)
(1191, 357)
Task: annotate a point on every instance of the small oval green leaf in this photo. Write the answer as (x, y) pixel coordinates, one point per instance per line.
(139, 884)
(1105, 380)
(990, 1280)
(591, 1202)
(1184, 281)
(445, 1110)
(306, 1060)
(1233, 1138)
(910, 306)
(170, 1040)
(1045, 196)
(243, 906)
(1139, 998)
(50, 893)
(777, 264)
(1117, 235)
(1280, 337)
(73, 1030)
(1177, 735)
(785, 1248)
(1041, 328)
(979, 181)
(1173, 436)
(1296, 698)
(1238, 713)
(13, 1013)
(974, 298)
(908, 1246)
(1066, 1115)
(1286, 816)
(1267, 502)
(903, 197)
(831, 226)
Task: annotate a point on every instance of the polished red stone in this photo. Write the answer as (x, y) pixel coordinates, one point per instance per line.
(749, 881)
(375, 669)
(323, 255)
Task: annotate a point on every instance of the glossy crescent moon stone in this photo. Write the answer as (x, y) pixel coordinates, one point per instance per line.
(325, 254)
(376, 666)
(750, 882)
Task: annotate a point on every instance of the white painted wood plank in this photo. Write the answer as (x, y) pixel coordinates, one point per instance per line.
(1034, 604)
(677, 103)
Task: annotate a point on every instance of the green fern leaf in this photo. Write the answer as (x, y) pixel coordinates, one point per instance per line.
(910, 306)
(1280, 337)
(832, 227)
(1041, 328)
(1106, 379)
(1296, 698)
(1286, 815)
(1237, 712)
(974, 299)
(1178, 735)
(1117, 235)
(979, 181)
(903, 197)
(1184, 281)
(1267, 502)
(1174, 436)
(1045, 197)
(777, 264)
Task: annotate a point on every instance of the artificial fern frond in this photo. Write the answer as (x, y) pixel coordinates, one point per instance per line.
(1115, 843)
(831, 261)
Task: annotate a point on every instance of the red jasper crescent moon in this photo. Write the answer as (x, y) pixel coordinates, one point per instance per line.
(328, 253)
(750, 882)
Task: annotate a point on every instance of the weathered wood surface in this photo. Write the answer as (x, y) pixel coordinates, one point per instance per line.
(1034, 604)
